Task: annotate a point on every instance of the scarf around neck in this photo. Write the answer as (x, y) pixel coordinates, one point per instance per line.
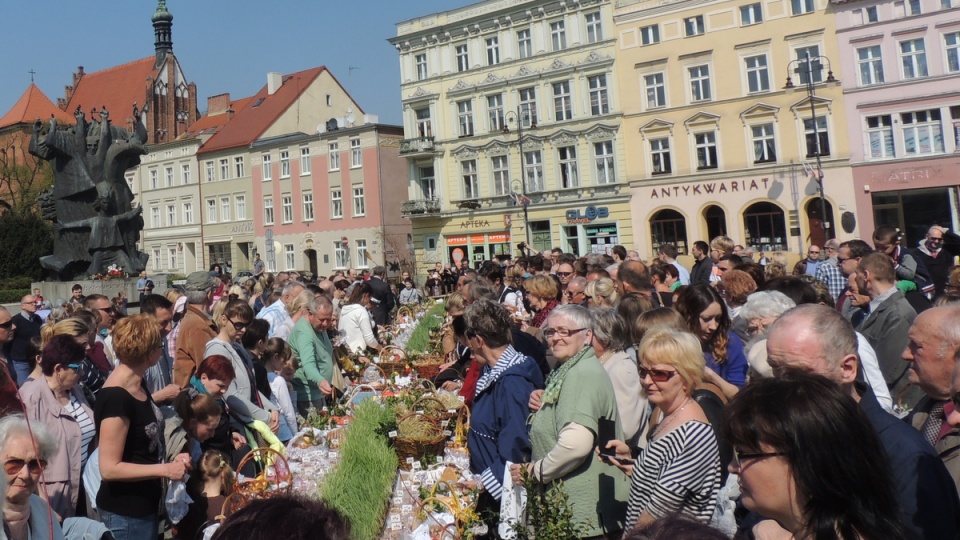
(541, 315)
(556, 377)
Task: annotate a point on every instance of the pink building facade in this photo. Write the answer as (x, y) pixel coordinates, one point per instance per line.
(901, 79)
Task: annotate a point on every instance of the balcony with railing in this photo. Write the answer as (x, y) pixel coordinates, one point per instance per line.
(420, 207)
(420, 146)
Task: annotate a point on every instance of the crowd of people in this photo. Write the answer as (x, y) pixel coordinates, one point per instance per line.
(734, 398)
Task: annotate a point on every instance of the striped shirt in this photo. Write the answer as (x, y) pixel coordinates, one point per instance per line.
(87, 429)
(677, 473)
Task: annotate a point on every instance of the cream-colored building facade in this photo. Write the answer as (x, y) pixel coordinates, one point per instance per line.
(471, 80)
(718, 141)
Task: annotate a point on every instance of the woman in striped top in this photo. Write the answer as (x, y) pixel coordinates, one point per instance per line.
(679, 471)
(57, 401)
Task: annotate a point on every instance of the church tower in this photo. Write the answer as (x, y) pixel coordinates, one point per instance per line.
(163, 32)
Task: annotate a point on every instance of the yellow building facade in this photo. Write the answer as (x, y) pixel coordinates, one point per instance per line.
(477, 79)
(719, 142)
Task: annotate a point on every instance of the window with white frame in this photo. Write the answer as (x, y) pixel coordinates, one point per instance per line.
(603, 160)
(155, 217)
(495, 112)
(764, 143)
(569, 172)
(699, 82)
(951, 44)
(913, 7)
(524, 43)
(356, 154)
(308, 206)
(693, 26)
(188, 213)
(225, 208)
(157, 262)
(799, 7)
(463, 58)
(185, 173)
(168, 176)
(528, 106)
(284, 164)
(706, 145)
(359, 203)
(558, 35)
(913, 58)
(656, 90)
(468, 175)
(814, 68)
(172, 258)
(224, 169)
(650, 35)
(421, 60)
(363, 260)
(880, 136)
(268, 210)
(210, 171)
(751, 14)
(336, 204)
(339, 254)
(533, 171)
(333, 150)
(305, 165)
(238, 166)
(562, 105)
(660, 156)
(171, 215)
(240, 202)
(594, 27)
(286, 207)
(501, 174)
(428, 182)
(267, 166)
(872, 15)
(154, 175)
(599, 101)
(289, 256)
(946, 4)
(493, 51)
(815, 136)
(870, 65)
(922, 132)
(211, 210)
(465, 117)
(424, 127)
(758, 78)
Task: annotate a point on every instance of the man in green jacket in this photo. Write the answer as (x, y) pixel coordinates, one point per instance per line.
(312, 347)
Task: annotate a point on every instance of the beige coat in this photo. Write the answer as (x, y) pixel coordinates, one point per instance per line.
(948, 447)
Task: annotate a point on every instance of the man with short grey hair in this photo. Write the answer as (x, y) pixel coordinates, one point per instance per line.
(574, 294)
(196, 328)
(315, 376)
(276, 313)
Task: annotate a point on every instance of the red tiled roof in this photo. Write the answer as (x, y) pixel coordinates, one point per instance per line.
(263, 110)
(215, 121)
(34, 104)
(117, 88)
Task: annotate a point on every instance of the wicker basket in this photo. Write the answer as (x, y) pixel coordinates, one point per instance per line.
(264, 486)
(428, 369)
(417, 449)
(393, 360)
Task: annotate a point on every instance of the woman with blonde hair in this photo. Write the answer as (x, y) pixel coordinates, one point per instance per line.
(601, 293)
(296, 309)
(542, 293)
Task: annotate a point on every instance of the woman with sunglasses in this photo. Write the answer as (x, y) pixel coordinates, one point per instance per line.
(578, 407)
(796, 464)
(56, 400)
(246, 404)
(679, 471)
(25, 514)
(705, 313)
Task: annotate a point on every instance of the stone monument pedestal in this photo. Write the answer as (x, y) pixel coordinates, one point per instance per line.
(53, 290)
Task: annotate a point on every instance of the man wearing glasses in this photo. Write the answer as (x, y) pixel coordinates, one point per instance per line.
(8, 392)
(102, 306)
(27, 324)
(937, 252)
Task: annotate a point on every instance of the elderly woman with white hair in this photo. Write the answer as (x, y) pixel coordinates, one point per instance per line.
(26, 449)
(576, 409)
(762, 308)
(611, 338)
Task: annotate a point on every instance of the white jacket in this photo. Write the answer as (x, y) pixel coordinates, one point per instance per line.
(356, 324)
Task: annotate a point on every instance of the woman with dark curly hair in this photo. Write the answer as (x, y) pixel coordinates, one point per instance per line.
(786, 432)
(705, 313)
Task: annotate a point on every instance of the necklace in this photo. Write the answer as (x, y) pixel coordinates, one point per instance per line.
(669, 418)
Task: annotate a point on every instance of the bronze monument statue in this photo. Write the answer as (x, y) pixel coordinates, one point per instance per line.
(90, 203)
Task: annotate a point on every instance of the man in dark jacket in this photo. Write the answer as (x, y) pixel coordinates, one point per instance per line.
(937, 252)
(383, 300)
(28, 325)
(703, 265)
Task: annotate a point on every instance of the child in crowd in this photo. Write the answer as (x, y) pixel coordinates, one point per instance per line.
(909, 267)
(278, 359)
(210, 483)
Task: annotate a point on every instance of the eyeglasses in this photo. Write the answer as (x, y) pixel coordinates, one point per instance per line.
(739, 458)
(561, 332)
(34, 466)
(656, 375)
(935, 240)
(841, 260)
(564, 274)
(238, 326)
(7, 325)
(76, 367)
(813, 252)
(571, 294)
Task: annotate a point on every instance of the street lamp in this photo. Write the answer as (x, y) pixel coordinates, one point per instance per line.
(801, 66)
(519, 117)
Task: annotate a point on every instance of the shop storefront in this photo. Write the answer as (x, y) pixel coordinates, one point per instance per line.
(581, 229)
(477, 248)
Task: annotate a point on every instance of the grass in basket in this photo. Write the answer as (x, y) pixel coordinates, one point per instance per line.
(361, 484)
(419, 341)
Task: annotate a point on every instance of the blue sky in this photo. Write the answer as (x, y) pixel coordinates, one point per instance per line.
(223, 46)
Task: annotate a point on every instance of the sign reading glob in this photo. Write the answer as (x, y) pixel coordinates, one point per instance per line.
(589, 214)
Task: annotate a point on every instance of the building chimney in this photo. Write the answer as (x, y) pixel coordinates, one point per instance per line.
(218, 104)
(274, 81)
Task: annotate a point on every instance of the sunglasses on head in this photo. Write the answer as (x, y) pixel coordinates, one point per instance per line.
(34, 466)
(656, 375)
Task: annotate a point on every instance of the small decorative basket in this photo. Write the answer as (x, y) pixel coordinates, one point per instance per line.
(429, 443)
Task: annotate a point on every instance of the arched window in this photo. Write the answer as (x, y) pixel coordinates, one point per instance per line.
(815, 221)
(668, 227)
(716, 220)
(765, 226)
